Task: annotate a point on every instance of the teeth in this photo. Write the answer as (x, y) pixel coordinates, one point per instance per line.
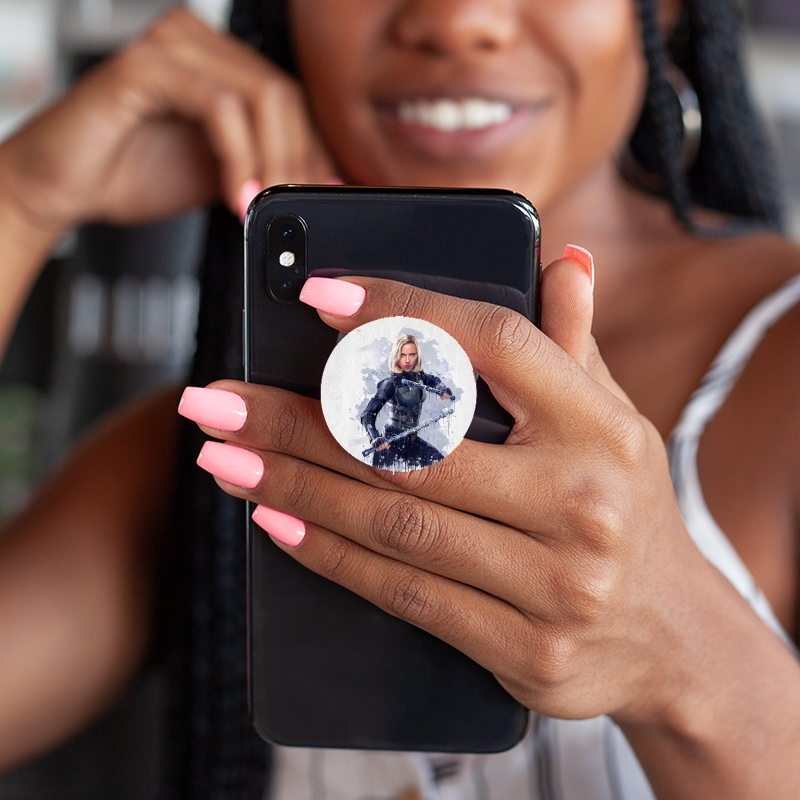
(448, 115)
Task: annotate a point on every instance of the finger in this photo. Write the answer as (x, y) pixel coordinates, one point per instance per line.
(567, 311)
(567, 303)
(532, 489)
(531, 377)
(492, 557)
(167, 86)
(287, 146)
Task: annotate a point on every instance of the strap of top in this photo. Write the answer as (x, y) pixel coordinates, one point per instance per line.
(683, 443)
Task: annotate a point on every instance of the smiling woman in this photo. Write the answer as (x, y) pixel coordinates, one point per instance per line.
(646, 632)
(503, 94)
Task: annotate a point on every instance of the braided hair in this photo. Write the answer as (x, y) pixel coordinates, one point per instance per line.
(211, 749)
(733, 172)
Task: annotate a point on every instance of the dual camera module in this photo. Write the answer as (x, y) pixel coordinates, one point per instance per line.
(287, 243)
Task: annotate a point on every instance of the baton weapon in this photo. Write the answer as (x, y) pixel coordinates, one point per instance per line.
(449, 410)
(440, 392)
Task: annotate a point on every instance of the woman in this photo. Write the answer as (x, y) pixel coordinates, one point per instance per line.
(399, 447)
(563, 561)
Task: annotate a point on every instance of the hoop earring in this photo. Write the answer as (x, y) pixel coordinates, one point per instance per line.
(691, 121)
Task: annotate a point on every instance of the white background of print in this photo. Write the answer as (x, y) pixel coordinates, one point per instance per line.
(361, 360)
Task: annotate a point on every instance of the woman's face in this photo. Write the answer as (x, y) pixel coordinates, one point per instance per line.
(408, 357)
(530, 95)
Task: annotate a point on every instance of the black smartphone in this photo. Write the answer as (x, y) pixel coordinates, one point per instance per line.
(327, 668)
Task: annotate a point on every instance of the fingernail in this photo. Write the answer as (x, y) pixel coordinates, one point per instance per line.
(216, 408)
(341, 298)
(334, 180)
(250, 188)
(580, 255)
(283, 527)
(232, 464)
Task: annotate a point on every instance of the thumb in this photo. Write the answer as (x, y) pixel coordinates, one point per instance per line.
(568, 304)
(567, 310)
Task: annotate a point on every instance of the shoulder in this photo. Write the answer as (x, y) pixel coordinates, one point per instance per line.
(764, 273)
(749, 459)
(386, 386)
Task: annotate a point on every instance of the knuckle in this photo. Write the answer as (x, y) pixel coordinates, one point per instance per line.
(405, 525)
(167, 27)
(553, 660)
(594, 514)
(589, 591)
(334, 560)
(288, 426)
(300, 489)
(508, 334)
(411, 597)
(627, 438)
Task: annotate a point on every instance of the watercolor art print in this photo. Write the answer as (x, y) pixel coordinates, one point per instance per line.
(398, 393)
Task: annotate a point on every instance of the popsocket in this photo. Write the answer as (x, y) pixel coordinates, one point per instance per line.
(398, 393)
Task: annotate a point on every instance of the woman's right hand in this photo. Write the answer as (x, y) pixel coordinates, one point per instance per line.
(179, 118)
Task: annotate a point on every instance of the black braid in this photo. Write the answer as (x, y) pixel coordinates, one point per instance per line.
(212, 751)
(733, 172)
(656, 142)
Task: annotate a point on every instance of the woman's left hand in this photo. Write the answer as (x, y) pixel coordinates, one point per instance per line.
(557, 560)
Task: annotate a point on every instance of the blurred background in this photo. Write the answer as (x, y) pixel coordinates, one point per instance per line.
(114, 313)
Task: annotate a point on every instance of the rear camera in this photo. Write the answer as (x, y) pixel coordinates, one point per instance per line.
(286, 257)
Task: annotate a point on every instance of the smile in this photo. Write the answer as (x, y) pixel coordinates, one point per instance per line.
(449, 116)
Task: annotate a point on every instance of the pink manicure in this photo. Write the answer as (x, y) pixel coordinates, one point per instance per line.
(581, 256)
(216, 408)
(232, 464)
(340, 298)
(283, 527)
(250, 188)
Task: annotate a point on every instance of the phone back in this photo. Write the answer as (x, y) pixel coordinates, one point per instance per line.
(327, 668)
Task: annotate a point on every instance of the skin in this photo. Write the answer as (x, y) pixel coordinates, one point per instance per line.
(572, 577)
(408, 357)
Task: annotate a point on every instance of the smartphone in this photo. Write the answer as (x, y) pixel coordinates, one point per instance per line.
(327, 668)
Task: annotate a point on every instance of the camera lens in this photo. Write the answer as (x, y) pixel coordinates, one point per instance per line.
(286, 255)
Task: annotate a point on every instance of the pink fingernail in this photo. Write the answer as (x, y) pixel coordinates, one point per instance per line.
(341, 298)
(580, 255)
(334, 180)
(216, 408)
(250, 188)
(283, 527)
(232, 464)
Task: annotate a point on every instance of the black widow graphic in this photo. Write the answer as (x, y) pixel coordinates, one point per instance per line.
(404, 391)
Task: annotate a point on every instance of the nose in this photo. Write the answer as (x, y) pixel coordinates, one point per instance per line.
(449, 27)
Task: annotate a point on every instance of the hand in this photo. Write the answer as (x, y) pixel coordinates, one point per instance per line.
(180, 117)
(551, 559)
